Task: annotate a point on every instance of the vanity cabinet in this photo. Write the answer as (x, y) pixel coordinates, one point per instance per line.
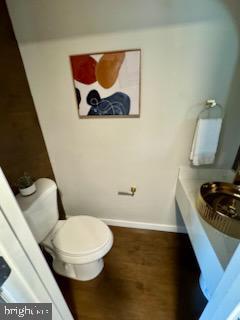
(212, 248)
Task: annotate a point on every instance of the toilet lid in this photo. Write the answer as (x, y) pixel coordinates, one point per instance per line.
(81, 235)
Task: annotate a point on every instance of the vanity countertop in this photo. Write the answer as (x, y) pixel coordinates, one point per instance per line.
(212, 248)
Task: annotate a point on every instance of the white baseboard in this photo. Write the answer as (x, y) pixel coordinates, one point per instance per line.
(144, 225)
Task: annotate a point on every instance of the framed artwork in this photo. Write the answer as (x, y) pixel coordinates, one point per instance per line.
(107, 84)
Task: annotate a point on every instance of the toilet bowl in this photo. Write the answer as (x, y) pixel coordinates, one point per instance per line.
(77, 245)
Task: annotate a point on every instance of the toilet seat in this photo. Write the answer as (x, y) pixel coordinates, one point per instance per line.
(82, 239)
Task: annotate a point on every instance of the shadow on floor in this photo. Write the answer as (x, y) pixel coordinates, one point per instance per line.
(191, 301)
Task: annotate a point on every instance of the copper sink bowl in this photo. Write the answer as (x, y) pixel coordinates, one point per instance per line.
(219, 204)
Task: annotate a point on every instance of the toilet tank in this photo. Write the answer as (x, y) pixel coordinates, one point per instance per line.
(40, 209)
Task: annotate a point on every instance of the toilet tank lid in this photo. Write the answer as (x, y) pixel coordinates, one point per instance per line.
(44, 186)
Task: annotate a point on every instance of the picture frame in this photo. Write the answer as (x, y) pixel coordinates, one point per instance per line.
(107, 84)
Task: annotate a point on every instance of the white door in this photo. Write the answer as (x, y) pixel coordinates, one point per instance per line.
(30, 279)
(225, 302)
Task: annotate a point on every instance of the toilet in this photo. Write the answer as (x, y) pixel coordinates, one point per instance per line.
(77, 245)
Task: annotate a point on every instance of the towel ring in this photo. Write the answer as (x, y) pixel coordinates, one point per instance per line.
(210, 105)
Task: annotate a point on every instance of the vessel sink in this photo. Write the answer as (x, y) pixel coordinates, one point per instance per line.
(219, 204)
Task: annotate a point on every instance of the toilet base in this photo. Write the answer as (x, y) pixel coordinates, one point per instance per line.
(82, 272)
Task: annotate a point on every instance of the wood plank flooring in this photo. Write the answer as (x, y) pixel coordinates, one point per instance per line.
(148, 275)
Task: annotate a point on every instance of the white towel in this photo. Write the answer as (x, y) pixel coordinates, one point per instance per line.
(205, 141)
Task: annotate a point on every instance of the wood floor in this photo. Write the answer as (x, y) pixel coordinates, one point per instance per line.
(148, 275)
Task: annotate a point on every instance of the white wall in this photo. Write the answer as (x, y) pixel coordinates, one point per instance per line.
(183, 64)
(230, 139)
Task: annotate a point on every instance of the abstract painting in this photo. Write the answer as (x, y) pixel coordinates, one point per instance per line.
(107, 84)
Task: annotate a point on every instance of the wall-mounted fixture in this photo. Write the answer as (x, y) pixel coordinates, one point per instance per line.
(132, 192)
(211, 104)
(207, 132)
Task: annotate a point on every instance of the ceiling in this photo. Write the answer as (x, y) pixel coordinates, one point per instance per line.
(36, 20)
